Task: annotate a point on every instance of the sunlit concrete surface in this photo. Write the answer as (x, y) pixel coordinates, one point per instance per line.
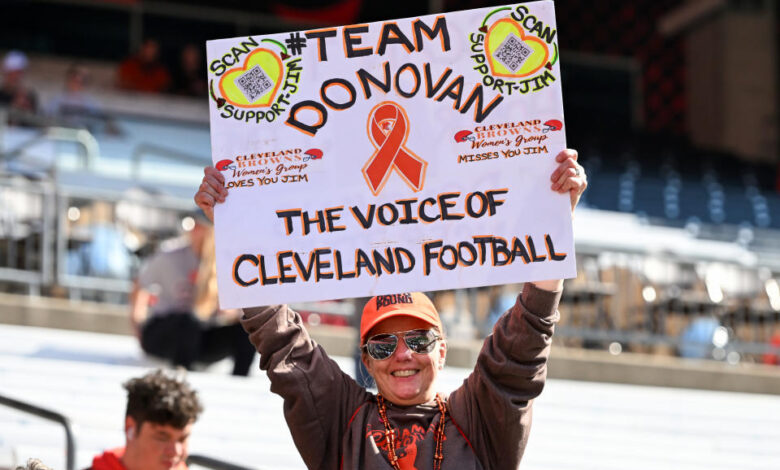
(577, 425)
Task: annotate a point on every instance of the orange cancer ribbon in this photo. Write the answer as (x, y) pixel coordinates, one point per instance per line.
(388, 129)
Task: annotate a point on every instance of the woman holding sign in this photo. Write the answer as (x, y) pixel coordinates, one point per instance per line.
(336, 424)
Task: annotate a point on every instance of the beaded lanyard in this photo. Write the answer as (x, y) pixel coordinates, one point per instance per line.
(438, 455)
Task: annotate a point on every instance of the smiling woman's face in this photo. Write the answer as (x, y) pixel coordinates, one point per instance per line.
(406, 378)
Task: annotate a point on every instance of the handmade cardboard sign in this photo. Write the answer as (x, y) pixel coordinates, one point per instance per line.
(387, 157)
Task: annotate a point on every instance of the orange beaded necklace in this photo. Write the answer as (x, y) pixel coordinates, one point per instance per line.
(438, 456)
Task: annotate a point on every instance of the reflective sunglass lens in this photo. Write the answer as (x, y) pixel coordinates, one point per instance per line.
(420, 342)
(382, 348)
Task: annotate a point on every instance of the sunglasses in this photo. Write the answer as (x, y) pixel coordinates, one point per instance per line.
(382, 346)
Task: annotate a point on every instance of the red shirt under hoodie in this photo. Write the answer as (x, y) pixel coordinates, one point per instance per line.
(109, 460)
(112, 460)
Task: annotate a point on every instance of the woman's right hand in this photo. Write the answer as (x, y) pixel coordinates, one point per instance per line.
(211, 191)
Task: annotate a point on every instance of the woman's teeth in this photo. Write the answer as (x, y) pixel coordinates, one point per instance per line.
(404, 373)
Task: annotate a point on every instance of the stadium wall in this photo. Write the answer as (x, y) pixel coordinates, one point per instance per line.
(566, 363)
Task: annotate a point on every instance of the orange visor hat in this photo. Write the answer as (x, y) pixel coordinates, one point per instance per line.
(381, 307)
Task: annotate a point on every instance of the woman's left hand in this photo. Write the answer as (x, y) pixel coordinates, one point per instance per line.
(569, 176)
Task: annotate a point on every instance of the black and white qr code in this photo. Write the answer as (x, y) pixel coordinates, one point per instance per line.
(512, 52)
(254, 83)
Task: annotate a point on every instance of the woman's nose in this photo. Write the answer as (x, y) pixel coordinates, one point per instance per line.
(402, 351)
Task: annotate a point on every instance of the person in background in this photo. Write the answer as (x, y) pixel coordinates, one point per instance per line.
(362, 377)
(20, 100)
(105, 255)
(161, 412)
(76, 107)
(772, 356)
(483, 424)
(143, 71)
(189, 75)
(174, 305)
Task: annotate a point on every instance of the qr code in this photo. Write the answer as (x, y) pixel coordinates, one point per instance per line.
(512, 52)
(254, 83)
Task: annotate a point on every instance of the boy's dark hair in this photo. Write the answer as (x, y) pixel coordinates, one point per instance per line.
(160, 399)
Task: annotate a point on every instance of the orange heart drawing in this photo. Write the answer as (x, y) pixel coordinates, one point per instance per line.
(253, 85)
(498, 34)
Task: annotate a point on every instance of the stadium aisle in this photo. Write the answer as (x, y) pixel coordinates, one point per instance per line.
(577, 425)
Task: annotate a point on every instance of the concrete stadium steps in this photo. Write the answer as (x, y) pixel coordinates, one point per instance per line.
(242, 421)
(581, 425)
(577, 425)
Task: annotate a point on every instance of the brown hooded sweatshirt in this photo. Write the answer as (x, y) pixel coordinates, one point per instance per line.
(335, 423)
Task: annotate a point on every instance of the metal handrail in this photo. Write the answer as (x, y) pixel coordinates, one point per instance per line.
(41, 275)
(70, 441)
(64, 134)
(70, 454)
(648, 339)
(216, 464)
(146, 148)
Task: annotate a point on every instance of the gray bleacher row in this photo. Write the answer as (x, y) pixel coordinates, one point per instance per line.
(58, 185)
(577, 425)
(46, 75)
(51, 232)
(621, 294)
(67, 194)
(55, 222)
(80, 375)
(721, 190)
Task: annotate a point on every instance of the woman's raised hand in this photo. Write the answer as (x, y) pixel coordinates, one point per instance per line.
(569, 176)
(211, 191)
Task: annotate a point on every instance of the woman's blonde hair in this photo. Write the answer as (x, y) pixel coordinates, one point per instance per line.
(34, 464)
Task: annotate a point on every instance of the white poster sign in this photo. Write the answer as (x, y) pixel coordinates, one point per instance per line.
(395, 156)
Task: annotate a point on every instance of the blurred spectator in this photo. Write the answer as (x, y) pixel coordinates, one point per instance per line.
(74, 100)
(320, 11)
(175, 311)
(500, 304)
(773, 357)
(21, 101)
(158, 420)
(75, 106)
(362, 377)
(189, 76)
(701, 338)
(105, 255)
(143, 71)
